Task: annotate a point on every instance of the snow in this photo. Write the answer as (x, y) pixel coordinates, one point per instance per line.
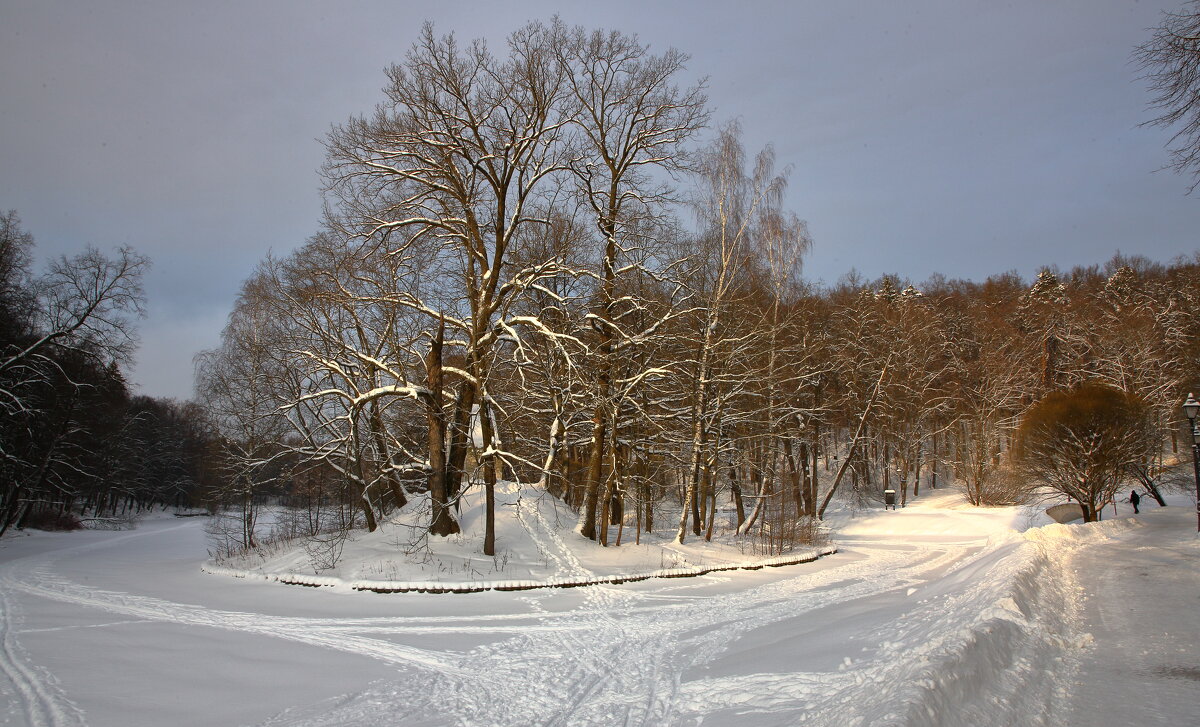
(935, 614)
(1149, 645)
(536, 548)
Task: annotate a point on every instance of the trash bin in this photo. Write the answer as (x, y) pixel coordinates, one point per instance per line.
(889, 499)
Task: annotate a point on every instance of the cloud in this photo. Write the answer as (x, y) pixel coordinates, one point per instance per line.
(963, 138)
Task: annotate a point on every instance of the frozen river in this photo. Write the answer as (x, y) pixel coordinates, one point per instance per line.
(932, 615)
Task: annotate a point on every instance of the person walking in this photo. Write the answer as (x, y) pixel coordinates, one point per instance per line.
(1134, 499)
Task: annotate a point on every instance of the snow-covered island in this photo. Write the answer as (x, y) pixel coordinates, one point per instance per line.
(538, 547)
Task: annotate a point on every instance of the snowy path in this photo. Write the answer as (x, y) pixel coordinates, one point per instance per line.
(1143, 611)
(896, 629)
(32, 691)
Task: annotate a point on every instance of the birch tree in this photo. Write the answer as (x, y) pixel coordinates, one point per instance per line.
(238, 383)
(730, 206)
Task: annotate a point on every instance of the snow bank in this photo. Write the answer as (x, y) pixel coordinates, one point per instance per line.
(379, 586)
(994, 639)
(1002, 652)
(537, 547)
(1008, 644)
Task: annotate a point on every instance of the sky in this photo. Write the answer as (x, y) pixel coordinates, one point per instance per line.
(961, 138)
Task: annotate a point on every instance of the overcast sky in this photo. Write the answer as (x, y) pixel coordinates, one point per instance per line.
(966, 138)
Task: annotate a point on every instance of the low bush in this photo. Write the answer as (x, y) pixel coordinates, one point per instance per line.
(53, 521)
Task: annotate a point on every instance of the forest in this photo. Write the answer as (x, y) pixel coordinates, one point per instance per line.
(551, 266)
(542, 266)
(76, 447)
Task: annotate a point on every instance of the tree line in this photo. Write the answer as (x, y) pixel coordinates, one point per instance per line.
(74, 443)
(536, 266)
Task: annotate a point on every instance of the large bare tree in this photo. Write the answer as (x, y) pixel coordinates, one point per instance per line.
(463, 159)
(632, 123)
(1171, 61)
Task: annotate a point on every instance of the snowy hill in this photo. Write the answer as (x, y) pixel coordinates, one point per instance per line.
(537, 546)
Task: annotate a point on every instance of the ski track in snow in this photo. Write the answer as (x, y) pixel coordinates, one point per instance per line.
(35, 691)
(619, 661)
(338, 635)
(625, 656)
(545, 537)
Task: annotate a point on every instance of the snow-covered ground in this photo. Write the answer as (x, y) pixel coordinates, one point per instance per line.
(1142, 577)
(536, 548)
(933, 615)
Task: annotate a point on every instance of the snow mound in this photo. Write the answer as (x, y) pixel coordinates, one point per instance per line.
(537, 546)
(1006, 644)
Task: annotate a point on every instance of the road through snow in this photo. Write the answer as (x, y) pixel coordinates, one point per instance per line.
(1142, 607)
(927, 616)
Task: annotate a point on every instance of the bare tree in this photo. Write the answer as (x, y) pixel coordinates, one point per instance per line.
(462, 160)
(734, 209)
(1171, 61)
(86, 303)
(63, 335)
(238, 386)
(631, 120)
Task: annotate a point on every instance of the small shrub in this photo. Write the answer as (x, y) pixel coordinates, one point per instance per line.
(1082, 442)
(777, 538)
(325, 549)
(127, 521)
(1001, 487)
(53, 521)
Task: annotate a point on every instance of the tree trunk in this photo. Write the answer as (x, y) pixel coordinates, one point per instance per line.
(736, 488)
(595, 473)
(933, 463)
(604, 385)
(814, 454)
(887, 468)
(759, 501)
(806, 488)
(442, 522)
(917, 471)
(1152, 488)
(459, 441)
(637, 533)
(606, 500)
(649, 519)
(712, 508)
(699, 432)
(698, 482)
(489, 479)
(797, 486)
